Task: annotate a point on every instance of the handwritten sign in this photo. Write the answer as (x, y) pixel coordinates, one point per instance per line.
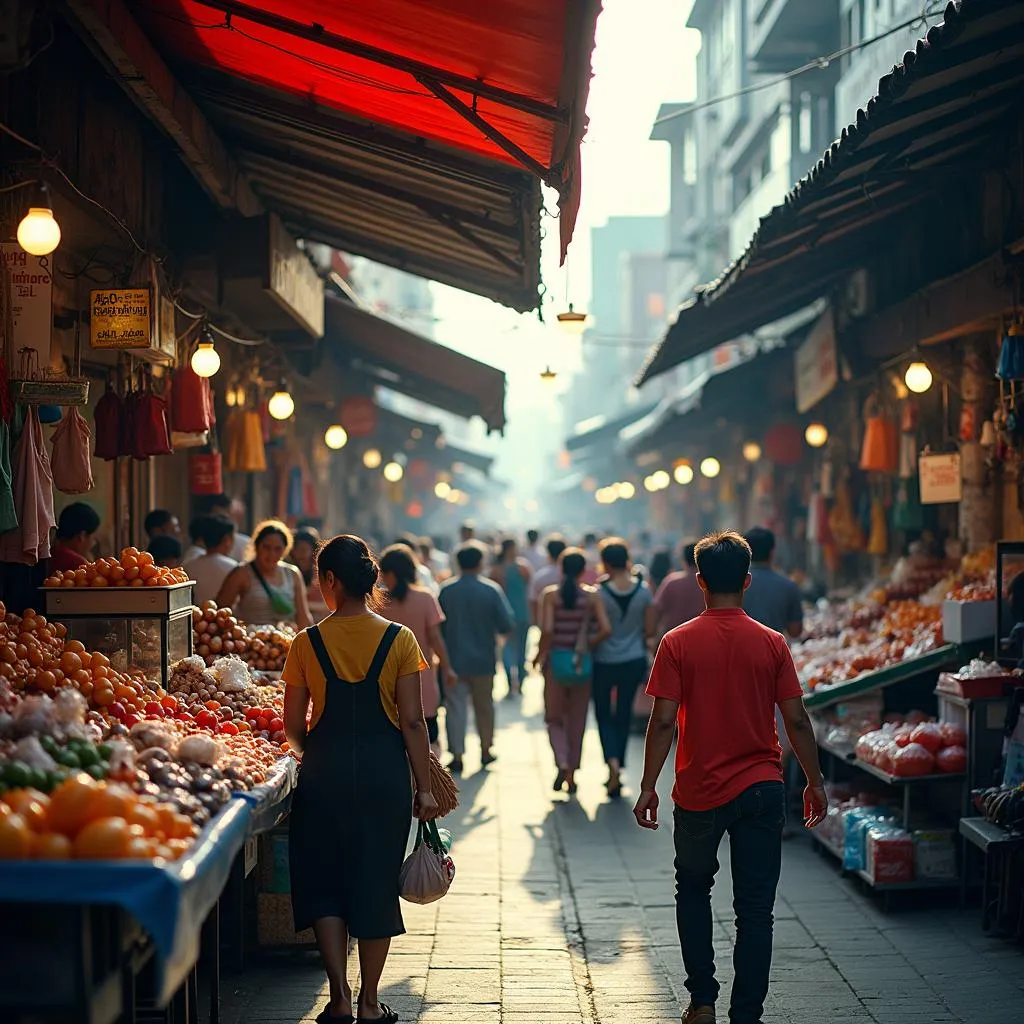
(940, 479)
(121, 318)
(817, 366)
(31, 300)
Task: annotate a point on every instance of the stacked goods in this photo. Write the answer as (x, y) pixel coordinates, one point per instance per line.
(134, 568)
(218, 632)
(915, 746)
(1001, 805)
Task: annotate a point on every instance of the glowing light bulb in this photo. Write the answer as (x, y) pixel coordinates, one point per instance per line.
(752, 451)
(442, 489)
(205, 361)
(281, 405)
(816, 435)
(393, 472)
(336, 437)
(372, 458)
(625, 490)
(650, 484)
(661, 479)
(573, 323)
(39, 232)
(918, 378)
(683, 473)
(710, 468)
(548, 376)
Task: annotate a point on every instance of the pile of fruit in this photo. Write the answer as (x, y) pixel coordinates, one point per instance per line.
(915, 746)
(218, 632)
(1002, 805)
(134, 568)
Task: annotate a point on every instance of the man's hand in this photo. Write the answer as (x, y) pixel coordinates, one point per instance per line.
(451, 678)
(815, 806)
(425, 806)
(646, 809)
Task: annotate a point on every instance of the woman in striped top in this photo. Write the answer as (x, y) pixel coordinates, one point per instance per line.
(565, 611)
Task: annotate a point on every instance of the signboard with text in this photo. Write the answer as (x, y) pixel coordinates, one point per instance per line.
(940, 479)
(817, 363)
(31, 280)
(121, 318)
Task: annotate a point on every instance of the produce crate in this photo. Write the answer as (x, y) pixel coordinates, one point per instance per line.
(980, 688)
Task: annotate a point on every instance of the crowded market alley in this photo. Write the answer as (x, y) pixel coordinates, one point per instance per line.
(563, 913)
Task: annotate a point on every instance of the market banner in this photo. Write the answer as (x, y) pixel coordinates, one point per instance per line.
(817, 363)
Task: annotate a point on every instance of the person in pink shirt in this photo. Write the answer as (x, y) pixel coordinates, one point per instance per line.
(679, 598)
(416, 607)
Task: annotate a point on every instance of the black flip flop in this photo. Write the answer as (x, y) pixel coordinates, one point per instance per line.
(388, 1016)
(325, 1017)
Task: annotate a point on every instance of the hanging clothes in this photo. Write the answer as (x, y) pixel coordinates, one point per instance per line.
(71, 465)
(33, 497)
(8, 513)
(108, 417)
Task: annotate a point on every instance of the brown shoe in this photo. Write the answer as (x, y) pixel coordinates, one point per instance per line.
(699, 1015)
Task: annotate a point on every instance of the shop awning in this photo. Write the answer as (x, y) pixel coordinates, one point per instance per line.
(601, 430)
(454, 456)
(414, 132)
(395, 357)
(940, 109)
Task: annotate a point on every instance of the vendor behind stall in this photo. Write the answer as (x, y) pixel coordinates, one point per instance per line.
(76, 536)
(166, 551)
(267, 589)
(212, 566)
(303, 557)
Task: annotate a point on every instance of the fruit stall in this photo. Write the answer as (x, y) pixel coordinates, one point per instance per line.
(142, 751)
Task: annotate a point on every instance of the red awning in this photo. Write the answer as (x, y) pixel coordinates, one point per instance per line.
(505, 80)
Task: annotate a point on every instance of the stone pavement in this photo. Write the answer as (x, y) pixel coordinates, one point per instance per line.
(562, 913)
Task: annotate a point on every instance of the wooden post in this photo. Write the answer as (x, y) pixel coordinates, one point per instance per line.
(978, 501)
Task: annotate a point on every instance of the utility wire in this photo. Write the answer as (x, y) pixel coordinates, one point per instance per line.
(818, 63)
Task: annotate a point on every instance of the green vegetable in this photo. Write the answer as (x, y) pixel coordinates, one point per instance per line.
(49, 744)
(17, 775)
(68, 758)
(97, 771)
(88, 756)
(105, 750)
(38, 779)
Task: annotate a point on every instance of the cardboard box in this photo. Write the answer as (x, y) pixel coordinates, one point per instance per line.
(966, 621)
(890, 856)
(935, 855)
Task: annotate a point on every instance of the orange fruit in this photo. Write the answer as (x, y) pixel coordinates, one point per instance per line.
(31, 805)
(70, 804)
(139, 849)
(51, 846)
(75, 646)
(103, 839)
(15, 838)
(145, 558)
(110, 802)
(177, 847)
(148, 818)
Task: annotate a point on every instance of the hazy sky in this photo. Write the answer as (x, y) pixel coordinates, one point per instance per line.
(644, 57)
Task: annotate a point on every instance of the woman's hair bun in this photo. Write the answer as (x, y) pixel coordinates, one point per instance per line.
(352, 563)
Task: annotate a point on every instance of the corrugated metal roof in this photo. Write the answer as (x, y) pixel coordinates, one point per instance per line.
(936, 110)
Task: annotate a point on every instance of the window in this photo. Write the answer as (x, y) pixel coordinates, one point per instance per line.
(689, 158)
(805, 124)
(766, 164)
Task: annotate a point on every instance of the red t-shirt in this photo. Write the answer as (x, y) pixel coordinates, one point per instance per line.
(727, 673)
(62, 557)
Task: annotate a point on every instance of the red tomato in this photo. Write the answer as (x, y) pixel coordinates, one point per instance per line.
(184, 716)
(154, 708)
(275, 725)
(228, 729)
(253, 714)
(206, 720)
(130, 720)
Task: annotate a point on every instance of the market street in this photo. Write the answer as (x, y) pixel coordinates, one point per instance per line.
(562, 912)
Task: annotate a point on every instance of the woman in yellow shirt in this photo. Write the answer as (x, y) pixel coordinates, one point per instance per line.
(350, 815)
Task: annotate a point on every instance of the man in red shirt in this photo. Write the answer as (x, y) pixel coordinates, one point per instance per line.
(719, 677)
(76, 534)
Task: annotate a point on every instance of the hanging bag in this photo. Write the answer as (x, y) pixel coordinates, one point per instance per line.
(429, 870)
(575, 667)
(108, 417)
(70, 462)
(152, 428)
(191, 402)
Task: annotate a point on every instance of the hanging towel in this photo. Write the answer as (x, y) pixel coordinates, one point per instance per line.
(33, 498)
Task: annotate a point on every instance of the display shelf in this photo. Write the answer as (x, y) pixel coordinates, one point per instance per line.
(982, 833)
(868, 682)
(892, 780)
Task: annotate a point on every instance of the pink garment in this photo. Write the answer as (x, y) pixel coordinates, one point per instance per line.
(33, 497)
(72, 464)
(420, 612)
(565, 714)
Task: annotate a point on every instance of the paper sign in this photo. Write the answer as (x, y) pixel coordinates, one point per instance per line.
(31, 301)
(817, 367)
(121, 318)
(940, 479)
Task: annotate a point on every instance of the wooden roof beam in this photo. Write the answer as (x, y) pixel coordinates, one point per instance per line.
(110, 29)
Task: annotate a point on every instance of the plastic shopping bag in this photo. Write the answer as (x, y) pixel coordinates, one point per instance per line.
(428, 871)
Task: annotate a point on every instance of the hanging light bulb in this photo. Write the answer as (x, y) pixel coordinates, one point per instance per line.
(336, 437)
(816, 435)
(752, 451)
(573, 323)
(650, 484)
(625, 490)
(548, 376)
(205, 361)
(661, 479)
(281, 404)
(393, 472)
(683, 473)
(918, 377)
(39, 232)
(442, 489)
(710, 468)
(372, 458)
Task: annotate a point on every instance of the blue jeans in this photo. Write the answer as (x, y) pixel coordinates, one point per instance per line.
(513, 655)
(624, 678)
(754, 821)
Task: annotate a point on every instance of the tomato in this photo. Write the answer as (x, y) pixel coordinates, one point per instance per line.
(206, 720)
(169, 702)
(276, 725)
(213, 705)
(154, 708)
(228, 729)
(184, 716)
(130, 720)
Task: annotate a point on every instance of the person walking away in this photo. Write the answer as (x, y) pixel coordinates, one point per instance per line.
(620, 663)
(424, 576)
(434, 559)
(534, 553)
(573, 620)
(593, 556)
(774, 600)
(350, 817)
(660, 568)
(546, 576)
(211, 568)
(476, 614)
(303, 556)
(679, 598)
(718, 679)
(513, 575)
(77, 526)
(467, 533)
(268, 589)
(412, 605)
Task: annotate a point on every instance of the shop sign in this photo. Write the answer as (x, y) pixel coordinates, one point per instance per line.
(817, 363)
(121, 318)
(358, 416)
(294, 282)
(31, 301)
(940, 479)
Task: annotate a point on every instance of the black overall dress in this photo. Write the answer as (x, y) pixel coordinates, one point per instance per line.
(352, 807)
